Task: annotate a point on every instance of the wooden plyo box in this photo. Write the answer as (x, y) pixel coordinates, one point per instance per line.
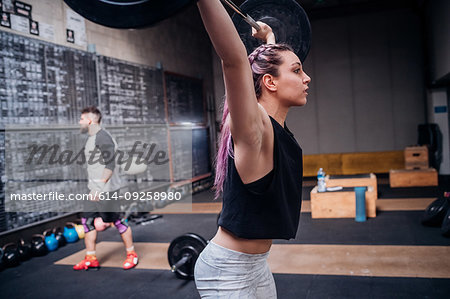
(362, 180)
(416, 157)
(340, 204)
(413, 178)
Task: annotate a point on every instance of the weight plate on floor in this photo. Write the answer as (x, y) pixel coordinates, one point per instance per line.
(434, 214)
(191, 244)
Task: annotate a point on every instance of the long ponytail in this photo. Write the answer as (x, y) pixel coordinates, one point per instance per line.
(265, 59)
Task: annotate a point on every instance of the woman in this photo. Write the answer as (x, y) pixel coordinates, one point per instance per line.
(259, 164)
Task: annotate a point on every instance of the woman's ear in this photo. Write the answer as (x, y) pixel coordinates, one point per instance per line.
(269, 82)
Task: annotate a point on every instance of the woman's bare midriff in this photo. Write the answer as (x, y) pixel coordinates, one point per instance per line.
(226, 239)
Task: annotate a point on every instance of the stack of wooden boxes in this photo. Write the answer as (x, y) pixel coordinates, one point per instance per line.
(417, 172)
(341, 204)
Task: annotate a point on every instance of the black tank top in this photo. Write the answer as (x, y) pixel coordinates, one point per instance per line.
(268, 208)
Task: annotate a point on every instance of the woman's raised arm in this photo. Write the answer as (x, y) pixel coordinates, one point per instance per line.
(246, 121)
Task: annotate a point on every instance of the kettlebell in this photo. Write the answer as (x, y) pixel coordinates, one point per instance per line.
(24, 250)
(59, 235)
(38, 247)
(50, 240)
(80, 230)
(70, 233)
(100, 225)
(10, 255)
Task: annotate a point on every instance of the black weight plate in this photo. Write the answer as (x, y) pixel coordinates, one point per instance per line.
(287, 18)
(127, 14)
(445, 228)
(189, 243)
(435, 212)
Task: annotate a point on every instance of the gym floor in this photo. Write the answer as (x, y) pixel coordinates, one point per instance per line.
(390, 256)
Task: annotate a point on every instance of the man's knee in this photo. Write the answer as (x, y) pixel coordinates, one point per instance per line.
(121, 225)
(88, 224)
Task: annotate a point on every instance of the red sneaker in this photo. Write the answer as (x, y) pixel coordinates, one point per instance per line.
(131, 261)
(89, 262)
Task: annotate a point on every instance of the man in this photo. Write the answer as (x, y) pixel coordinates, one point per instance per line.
(103, 183)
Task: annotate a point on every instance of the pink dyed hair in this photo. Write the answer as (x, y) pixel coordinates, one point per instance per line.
(265, 59)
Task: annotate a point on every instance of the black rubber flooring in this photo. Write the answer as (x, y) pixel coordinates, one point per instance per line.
(384, 192)
(388, 228)
(40, 278)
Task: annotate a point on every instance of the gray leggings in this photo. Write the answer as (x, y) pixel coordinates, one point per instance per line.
(224, 273)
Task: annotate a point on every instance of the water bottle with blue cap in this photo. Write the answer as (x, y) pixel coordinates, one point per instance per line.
(321, 185)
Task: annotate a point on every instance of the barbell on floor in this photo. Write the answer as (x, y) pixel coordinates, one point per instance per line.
(183, 253)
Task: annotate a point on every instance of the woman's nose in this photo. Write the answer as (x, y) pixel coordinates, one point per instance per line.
(307, 79)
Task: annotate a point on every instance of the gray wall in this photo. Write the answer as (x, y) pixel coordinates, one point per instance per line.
(180, 43)
(438, 24)
(367, 72)
(367, 89)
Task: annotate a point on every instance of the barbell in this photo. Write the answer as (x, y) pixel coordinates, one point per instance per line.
(183, 253)
(445, 228)
(435, 212)
(127, 14)
(287, 18)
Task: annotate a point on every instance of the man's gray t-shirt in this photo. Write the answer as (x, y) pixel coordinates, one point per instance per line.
(100, 152)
